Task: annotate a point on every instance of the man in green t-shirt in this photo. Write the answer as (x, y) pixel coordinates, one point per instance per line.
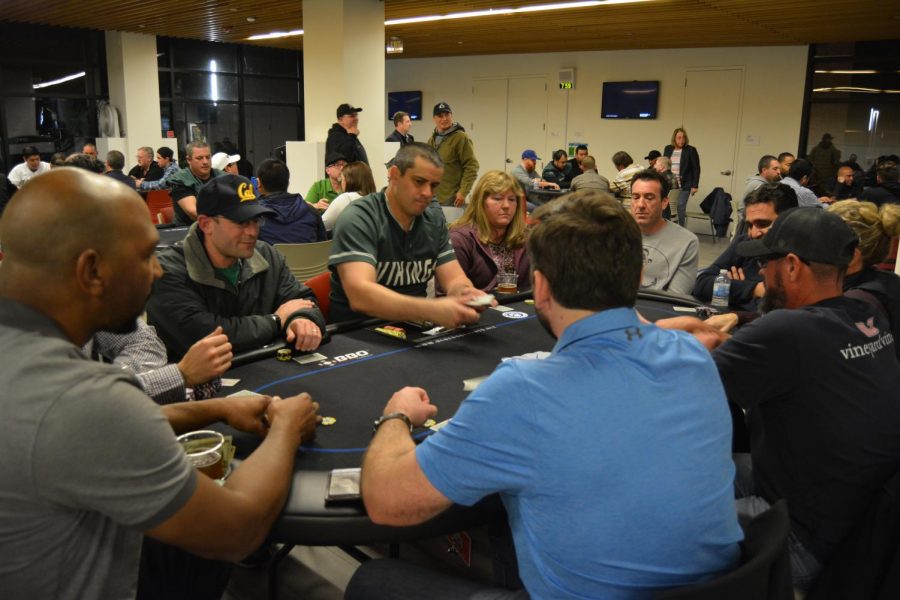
(388, 245)
(325, 190)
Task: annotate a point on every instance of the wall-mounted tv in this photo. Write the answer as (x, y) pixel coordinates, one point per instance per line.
(630, 99)
(410, 102)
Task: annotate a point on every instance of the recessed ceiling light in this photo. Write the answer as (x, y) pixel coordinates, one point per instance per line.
(251, 19)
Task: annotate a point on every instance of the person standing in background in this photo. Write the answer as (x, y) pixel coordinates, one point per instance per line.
(686, 167)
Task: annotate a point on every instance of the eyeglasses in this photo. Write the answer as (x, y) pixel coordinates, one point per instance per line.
(762, 261)
(256, 221)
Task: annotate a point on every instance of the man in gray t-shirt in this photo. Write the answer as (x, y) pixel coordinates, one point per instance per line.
(671, 253)
(90, 463)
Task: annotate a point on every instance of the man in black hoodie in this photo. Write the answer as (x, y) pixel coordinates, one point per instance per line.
(343, 137)
(294, 221)
(887, 188)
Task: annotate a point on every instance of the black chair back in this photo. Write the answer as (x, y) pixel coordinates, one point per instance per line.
(764, 572)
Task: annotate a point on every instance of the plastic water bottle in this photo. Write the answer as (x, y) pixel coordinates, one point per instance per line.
(721, 289)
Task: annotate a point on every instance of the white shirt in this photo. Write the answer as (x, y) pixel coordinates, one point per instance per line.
(336, 207)
(21, 173)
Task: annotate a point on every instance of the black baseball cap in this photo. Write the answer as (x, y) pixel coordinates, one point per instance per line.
(813, 234)
(332, 157)
(654, 154)
(232, 197)
(441, 107)
(347, 109)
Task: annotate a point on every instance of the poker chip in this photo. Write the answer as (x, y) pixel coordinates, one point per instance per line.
(429, 423)
(283, 355)
(328, 421)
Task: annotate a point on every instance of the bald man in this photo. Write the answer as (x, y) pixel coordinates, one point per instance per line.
(90, 463)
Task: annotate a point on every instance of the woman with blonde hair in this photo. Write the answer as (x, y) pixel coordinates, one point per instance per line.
(875, 227)
(489, 238)
(686, 167)
(356, 182)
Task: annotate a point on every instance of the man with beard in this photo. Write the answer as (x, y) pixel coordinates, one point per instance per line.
(90, 463)
(546, 437)
(818, 379)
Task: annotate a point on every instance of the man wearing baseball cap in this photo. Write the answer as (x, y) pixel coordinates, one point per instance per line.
(526, 174)
(457, 153)
(651, 158)
(221, 275)
(165, 160)
(343, 137)
(818, 378)
(227, 163)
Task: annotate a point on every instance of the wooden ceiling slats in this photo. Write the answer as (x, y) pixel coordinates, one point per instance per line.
(653, 24)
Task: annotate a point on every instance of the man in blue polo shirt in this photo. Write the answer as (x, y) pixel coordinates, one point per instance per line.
(388, 245)
(612, 456)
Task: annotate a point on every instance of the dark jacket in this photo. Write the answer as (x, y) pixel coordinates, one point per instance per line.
(562, 178)
(295, 222)
(885, 286)
(346, 144)
(191, 299)
(396, 136)
(741, 294)
(7, 189)
(883, 193)
(121, 177)
(689, 168)
(154, 173)
(717, 205)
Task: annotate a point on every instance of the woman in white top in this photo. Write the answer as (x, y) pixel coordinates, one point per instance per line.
(356, 182)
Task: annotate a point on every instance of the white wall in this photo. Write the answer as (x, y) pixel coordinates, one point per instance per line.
(772, 101)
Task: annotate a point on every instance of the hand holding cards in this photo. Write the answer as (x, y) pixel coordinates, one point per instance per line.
(478, 301)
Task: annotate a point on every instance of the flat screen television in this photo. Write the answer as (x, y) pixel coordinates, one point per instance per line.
(409, 102)
(630, 99)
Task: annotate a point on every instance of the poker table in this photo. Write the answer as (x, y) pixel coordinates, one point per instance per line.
(168, 235)
(353, 375)
(544, 195)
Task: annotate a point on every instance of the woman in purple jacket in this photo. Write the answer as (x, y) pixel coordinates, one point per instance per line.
(489, 238)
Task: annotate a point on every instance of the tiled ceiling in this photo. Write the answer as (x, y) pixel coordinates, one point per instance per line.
(649, 24)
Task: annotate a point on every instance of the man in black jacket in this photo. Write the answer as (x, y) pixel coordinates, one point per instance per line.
(221, 275)
(402, 125)
(343, 137)
(762, 207)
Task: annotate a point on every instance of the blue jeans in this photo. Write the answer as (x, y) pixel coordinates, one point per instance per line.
(683, 195)
(388, 579)
(804, 566)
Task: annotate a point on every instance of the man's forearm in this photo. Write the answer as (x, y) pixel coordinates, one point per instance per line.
(188, 416)
(386, 484)
(378, 301)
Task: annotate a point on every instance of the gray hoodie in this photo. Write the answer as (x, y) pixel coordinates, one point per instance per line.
(753, 182)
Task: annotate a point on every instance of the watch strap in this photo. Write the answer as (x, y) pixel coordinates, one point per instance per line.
(385, 418)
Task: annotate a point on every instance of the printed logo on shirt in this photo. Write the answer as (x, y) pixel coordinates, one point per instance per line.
(868, 328)
(869, 348)
(400, 273)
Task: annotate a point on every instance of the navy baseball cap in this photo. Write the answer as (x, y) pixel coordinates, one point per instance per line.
(232, 197)
(440, 108)
(813, 234)
(654, 154)
(347, 109)
(530, 154)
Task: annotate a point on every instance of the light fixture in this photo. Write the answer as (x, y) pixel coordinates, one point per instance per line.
(251, 19)
(45, 84)
(491, 12)
(394, 46)
(276, 34)
(213, 83)
(848, 71)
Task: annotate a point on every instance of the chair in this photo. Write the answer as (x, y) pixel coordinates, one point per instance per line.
(166, 215)
(764, 572)
(867, 563)
(156, 201)
(306, 260)
(321, 287)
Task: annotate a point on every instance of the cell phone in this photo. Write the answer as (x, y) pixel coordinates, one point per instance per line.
(343, 485)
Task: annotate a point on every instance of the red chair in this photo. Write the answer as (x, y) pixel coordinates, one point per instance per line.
(166, 214)
(890, 262)
(156, 201)
(321, 287)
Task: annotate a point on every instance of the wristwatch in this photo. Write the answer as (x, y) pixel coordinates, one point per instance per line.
(277, 320)
(397, 415)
